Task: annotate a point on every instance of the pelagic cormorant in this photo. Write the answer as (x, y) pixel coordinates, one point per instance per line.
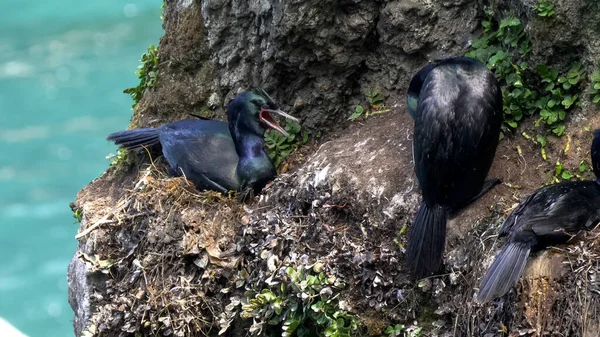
(457, 118)
(213, 154)
(549, 216)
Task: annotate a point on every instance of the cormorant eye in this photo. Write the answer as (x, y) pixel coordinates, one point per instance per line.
(258, 103)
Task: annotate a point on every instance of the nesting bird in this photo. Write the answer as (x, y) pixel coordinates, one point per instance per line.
(456, 104)
(551, 215)
(215, 155)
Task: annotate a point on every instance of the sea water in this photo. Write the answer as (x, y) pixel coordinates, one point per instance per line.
(63, 67)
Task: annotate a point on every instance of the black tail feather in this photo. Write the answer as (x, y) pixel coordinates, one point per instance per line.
(427, 241)
(130, 139)
(504, 272)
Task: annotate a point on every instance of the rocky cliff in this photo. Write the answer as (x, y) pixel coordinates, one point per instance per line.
(157, 257)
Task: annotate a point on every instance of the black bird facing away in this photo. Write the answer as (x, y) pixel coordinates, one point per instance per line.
(456, 104)
(215, 155)
(551, 215)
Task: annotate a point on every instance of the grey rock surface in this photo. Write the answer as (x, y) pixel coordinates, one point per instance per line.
(324, 53)
(82, 282)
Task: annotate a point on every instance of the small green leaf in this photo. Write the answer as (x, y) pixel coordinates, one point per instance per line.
(354, 116)
(559, 130)
(559, 168)
(509, 22)
(541, 140)
(304, 137)
(561, 115)
(552, 118)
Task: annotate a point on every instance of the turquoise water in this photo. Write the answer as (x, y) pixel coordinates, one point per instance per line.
(63, 67)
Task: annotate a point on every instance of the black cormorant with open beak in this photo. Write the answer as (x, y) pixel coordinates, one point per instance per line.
(216, 155)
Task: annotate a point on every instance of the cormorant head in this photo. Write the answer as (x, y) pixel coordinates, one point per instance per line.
(251, 112)
(414, 88)
(416, 83)
(596, 154)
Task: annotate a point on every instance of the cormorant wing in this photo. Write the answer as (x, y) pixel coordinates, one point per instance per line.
(204, 151)
(564, 215)
(512, 219)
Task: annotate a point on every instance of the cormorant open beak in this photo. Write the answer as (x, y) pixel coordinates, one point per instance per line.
(265, 117)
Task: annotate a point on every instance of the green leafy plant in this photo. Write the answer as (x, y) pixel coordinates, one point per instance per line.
(147, 73)
(526, 90)
(399, 330)
(302, 305)
(358, 111)
(595, 91)
(119, 158)
(561, 172)
(279, 147)
(544, 8)
(560, 95)
(78, 215)
(582, 167)
(374, 97)
(501, 49)
(375, 105)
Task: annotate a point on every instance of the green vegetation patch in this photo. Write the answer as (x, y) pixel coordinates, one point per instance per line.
(544, 8)
(595, 91)
(541, 91)
(119, 158)
(280, 147)
(399, 330)
(375, 106)
(302, 301)
(147, 73)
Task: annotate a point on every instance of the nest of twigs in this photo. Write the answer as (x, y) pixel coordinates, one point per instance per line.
(164, 247)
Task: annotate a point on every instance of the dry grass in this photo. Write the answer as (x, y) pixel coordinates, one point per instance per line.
(160, 244)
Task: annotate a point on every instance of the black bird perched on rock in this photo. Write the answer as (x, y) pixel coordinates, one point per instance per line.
(213, 154)
(551, 215)
(456, 104)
